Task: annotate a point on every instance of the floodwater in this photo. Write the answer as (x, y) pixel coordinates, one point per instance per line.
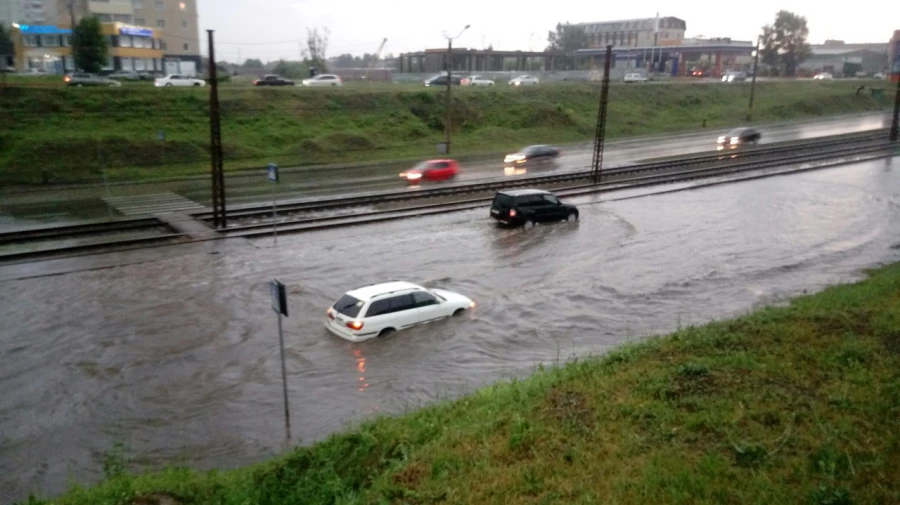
(177, 356)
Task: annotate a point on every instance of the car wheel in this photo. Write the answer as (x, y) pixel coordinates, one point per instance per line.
(529, 223)
(168, 84)
(572, 215)
(458, 312)
(196, 84)
(385, 332)
(111, 85)
(79, 85)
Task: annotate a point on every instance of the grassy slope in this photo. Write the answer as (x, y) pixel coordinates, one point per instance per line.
(799, 404)
(68, 134)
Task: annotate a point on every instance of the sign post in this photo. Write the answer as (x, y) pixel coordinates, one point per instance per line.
(272, 174)
(279, 305)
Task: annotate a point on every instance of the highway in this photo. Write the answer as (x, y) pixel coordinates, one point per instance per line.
(78, 203)
(174, 351)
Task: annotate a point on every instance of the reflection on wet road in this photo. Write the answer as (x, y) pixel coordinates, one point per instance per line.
(177, 357)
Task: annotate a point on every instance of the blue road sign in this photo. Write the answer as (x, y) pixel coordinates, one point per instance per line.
(272, 171)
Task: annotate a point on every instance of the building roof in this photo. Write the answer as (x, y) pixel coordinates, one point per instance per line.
(625, 20)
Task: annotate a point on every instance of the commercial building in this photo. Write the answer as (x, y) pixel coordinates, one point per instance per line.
(646, 32)
(717, 56)
(176, 20)
(846, 60)
(48, 48)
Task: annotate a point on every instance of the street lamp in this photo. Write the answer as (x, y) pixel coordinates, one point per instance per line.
(753, 79)
(449, 86)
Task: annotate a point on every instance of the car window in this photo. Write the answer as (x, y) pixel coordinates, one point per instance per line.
(551, 199)
(529, 200)
(379, 307)
(736, 132)
(501, 200)
(401, 302)
(423, 299)
(348, 306)
(439, 164)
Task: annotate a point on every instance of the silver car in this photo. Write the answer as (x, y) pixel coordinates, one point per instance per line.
(79, 79)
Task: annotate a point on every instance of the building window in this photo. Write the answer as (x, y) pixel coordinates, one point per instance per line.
(160, 5)
(184, 24)
(66, 41)
(125, 41)
(137, 4)
(161, 23)
(163, 45)
(187, 46)
(140, 21)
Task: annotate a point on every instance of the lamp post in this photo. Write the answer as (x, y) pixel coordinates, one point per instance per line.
(753, 79)
(449, 87)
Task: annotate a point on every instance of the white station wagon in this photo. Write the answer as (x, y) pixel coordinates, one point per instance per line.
(381, 309)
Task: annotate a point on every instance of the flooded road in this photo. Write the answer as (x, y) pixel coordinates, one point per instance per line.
(177, 356)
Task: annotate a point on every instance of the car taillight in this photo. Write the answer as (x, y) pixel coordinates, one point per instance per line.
(330, 313)
(355, 325)
(67, 78)
(255, 82)
(512, 212)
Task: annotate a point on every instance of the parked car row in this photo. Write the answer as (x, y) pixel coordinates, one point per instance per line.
(477, 80)
(380, 310)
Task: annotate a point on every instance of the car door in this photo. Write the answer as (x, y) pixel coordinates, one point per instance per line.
(403, 312)
(553, 208)
(427, 308)
(441, 171)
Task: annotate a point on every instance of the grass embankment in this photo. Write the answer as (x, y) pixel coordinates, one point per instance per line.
(798, 404)
(67, 135)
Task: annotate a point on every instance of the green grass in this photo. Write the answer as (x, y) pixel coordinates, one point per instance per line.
(50, 135)
(796, 404)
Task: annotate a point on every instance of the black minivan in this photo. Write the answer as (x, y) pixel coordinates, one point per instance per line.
(521, 207)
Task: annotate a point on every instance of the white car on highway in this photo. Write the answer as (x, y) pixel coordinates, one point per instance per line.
(524, 80)
(824, 76)
(324, 80)
(381, 309)
(635, 77)
(477, 80)
(177, 80)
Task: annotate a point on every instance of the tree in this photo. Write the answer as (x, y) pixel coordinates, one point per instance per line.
(89, 45)
(316, 49)
(291, 69)
(567, 38)
(253, 64)
(784, 45)
(7, 48)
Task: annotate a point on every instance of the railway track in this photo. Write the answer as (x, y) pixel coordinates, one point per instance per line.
(56, 240)
(263, 211)
(636, 179)
(299, 216)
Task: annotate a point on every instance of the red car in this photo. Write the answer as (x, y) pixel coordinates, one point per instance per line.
(432, 170)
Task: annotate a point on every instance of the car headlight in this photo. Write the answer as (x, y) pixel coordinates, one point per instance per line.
(734, 141)
(722, 139)
(413, 176)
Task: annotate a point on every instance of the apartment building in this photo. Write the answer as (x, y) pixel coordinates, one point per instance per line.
(23, 12)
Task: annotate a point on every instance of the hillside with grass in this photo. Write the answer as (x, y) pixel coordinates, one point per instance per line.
(54, 135)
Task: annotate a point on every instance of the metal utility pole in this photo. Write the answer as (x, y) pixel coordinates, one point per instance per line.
(449, 87)
(753, 80)
(71, 6)
(895, 124)
(597, 165)
(215, 130)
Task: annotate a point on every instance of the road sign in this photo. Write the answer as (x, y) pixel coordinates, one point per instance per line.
(272, 172)
(279, 297)
(162, 135)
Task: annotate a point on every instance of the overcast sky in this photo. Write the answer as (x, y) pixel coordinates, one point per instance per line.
(358, 26)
